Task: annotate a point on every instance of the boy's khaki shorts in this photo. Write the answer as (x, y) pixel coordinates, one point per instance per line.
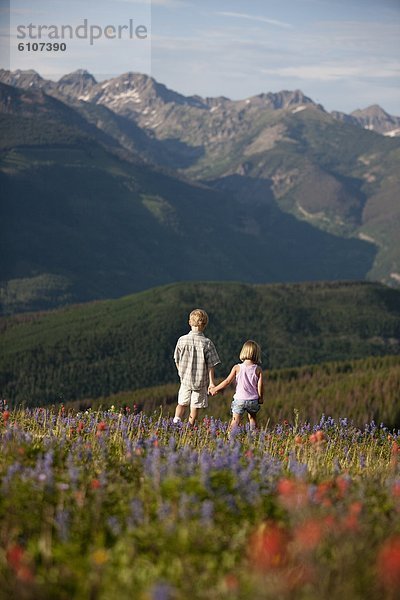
(194, 398)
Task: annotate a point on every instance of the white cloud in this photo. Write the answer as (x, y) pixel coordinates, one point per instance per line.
(257, 18)
(170, 3)
(20, 11)
(354, 36)
(335, 71)
(164, 3)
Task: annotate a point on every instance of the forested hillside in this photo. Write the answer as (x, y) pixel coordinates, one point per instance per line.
(106, 347)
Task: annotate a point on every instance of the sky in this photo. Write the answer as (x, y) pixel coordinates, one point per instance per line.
(344, 54)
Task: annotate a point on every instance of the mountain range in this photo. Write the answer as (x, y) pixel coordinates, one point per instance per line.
(112, 187)
(144, 91)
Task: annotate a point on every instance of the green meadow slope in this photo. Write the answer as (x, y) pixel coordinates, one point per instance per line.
(100, 348)
(356, 390)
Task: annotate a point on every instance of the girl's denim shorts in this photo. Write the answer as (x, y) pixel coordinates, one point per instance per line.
(239, 407)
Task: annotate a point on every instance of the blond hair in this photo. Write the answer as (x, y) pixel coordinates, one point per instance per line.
(198, 318)
(251, 351)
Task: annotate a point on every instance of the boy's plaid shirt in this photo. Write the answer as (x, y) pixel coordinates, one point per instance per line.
(194, 356)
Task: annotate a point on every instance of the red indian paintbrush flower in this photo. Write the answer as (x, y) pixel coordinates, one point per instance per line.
(388, 564)
(342, 485)
(317, 437)
(396, 489)
(14, 555)
(308, 534)
(17, 560)
(268, 547)
(292, 493)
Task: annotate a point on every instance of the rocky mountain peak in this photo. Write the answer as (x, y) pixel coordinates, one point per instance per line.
(282, 99)
(76, 83)
(376, 119)
(287, 98)
(77, 76)
(133, 94)
(123, 93)
(149, 88)
(371, 111)
(24, 79)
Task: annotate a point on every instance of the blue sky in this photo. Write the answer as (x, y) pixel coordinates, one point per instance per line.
(344, 54)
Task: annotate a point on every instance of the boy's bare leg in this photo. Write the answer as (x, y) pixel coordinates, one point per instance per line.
(193, 415)
(180, 411)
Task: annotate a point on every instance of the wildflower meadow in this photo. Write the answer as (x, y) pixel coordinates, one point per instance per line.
(118, 504)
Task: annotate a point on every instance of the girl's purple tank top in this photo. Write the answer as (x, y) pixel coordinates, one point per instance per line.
(247, 383)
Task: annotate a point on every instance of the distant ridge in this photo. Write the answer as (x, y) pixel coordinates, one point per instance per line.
(373, 118)
(102, 348)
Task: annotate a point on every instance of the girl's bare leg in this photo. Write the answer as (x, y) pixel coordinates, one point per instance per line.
(235, 422)
(252, 421)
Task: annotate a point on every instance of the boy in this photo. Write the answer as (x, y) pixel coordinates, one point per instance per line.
(195, 358)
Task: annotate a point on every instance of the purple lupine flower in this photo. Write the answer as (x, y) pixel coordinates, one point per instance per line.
(162, 591)
(136, 514)
(207, 512)
(164, 510)
(205, 462)
(11, 471)
(114, 525)
(184, 506)
(43, 471)
(298, 469)
(305, 428)
(61, 520)
(336, 466)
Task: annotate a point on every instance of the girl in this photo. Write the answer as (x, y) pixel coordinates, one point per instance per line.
(249, 385)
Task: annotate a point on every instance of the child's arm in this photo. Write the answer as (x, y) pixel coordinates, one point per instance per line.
(211, 377)
(260, 386)
(177, 354)
(226, 381)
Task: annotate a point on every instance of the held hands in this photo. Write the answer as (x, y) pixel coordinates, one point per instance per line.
(212, 390)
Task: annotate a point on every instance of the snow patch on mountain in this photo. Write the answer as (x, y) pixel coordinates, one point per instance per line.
(298, 109)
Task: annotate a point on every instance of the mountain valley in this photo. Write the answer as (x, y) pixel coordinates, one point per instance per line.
(115, 186)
